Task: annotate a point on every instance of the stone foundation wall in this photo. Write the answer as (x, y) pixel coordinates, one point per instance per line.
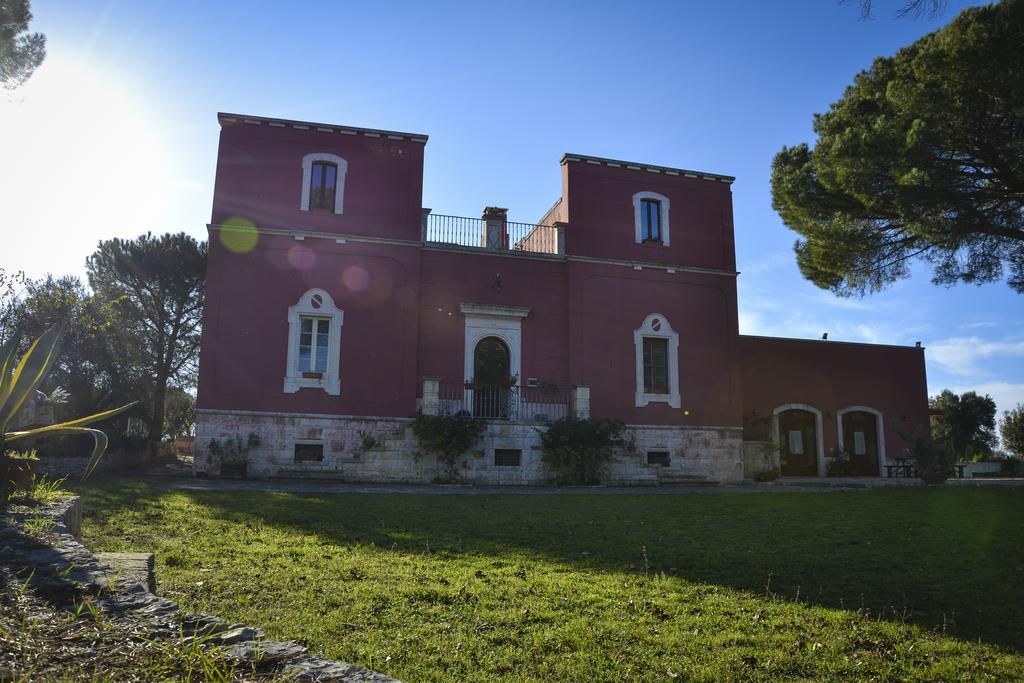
(759, 457)
(364, 449)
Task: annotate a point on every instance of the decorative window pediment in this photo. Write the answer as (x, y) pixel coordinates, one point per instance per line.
(656, 350)
(314, 344)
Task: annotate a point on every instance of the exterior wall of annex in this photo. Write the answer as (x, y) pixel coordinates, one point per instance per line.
(585, 304)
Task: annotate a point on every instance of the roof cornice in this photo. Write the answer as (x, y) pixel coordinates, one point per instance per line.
(634, 166)
(226, 117)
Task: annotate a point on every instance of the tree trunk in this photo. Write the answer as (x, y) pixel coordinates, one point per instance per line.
(156, 422)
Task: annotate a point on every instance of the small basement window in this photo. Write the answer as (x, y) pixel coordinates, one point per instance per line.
(507, 457)
(309, 452)
(659, 458)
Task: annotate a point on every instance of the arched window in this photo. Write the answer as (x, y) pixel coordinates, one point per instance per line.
(323, 182)
(650, 214)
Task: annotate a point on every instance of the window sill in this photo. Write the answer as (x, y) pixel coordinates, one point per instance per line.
(672, 400)
(330, 386)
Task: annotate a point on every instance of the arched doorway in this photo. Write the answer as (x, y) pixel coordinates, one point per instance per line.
(798, 442)
(860, 438)
(491, 378)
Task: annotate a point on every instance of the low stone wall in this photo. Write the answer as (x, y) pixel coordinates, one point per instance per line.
(362, 449)
(55, 467)
(759, 457)
(64, 567)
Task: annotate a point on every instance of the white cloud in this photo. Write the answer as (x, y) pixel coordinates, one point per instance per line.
(961, 355)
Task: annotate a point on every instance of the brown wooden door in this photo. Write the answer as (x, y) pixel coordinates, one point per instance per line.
(860, 441)
(798, 443)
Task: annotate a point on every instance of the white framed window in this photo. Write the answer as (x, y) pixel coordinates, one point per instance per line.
(314, 334)
(650, 215)
(656, 350)
(323, 182)
(314, 344)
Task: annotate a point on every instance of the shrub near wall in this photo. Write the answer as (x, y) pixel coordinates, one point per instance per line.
(578, 451)
(447, 436)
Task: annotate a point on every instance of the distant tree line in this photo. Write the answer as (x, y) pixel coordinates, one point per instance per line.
(132, 331)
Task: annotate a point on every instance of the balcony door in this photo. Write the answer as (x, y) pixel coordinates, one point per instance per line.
(491, 372)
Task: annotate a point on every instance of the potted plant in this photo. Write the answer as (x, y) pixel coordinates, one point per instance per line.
(933, 460)
(22, 468)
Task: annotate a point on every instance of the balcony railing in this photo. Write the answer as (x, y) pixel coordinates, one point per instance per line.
(492, 234)
(496, 402)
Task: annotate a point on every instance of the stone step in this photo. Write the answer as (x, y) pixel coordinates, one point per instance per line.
(131, 567)
(289, 473)
(676, 479)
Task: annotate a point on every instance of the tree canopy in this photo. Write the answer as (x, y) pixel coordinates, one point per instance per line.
(1011, 428)
(966, 422)
(21, 52)
(157, 284)
(922, 158)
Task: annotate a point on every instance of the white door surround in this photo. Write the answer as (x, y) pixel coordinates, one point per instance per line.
(818, 436)
(490, 320)
(879, 432)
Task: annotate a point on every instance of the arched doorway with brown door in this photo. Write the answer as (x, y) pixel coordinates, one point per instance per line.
(797, 431)
(492, 393)
(862, 437)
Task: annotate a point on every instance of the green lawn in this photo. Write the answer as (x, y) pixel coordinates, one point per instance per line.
(909, 584)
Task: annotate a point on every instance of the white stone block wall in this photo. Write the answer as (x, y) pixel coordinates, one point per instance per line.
(393, 455)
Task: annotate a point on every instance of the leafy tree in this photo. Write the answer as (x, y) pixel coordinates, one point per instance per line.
(21, 52)
(11, 290)
(1011, 428)
(910, 8)
(922, 158)
(98, 363)
(180, 414)
(157, 285)
(966, 422)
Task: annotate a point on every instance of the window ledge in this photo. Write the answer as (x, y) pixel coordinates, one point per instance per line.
(672, 400)
(293, 384)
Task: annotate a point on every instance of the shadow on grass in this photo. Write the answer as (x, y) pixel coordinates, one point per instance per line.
(949, 560)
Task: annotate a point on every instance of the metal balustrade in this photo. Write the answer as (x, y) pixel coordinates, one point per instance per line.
(497, 402)
(503, 236)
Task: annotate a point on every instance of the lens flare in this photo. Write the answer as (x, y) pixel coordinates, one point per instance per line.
(239, 235)
(302, 257)
(355, 278)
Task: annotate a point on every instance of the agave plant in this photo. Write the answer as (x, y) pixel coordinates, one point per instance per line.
(19, 381)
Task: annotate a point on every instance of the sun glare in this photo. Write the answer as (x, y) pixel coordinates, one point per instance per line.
(83, 161)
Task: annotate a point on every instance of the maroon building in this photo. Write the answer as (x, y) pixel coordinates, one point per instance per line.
(337, 307)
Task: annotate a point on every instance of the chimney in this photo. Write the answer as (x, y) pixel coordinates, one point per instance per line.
(495, 235)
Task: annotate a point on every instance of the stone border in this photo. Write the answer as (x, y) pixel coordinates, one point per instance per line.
(68, 565)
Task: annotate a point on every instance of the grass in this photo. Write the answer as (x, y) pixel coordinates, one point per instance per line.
(889, 584)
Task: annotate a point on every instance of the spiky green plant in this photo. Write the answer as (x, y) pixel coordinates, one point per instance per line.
(18, 379)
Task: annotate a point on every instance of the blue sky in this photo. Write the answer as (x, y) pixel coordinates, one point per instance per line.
(127, 103)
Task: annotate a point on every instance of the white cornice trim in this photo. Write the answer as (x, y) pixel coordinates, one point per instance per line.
(494, 310)
(479, 251)
(223, 118)
(636, 166)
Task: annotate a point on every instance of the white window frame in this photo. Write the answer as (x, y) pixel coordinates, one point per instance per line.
(314, 347)
(672, 398)
(339, 185)
(306, 307)
(638, 215)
